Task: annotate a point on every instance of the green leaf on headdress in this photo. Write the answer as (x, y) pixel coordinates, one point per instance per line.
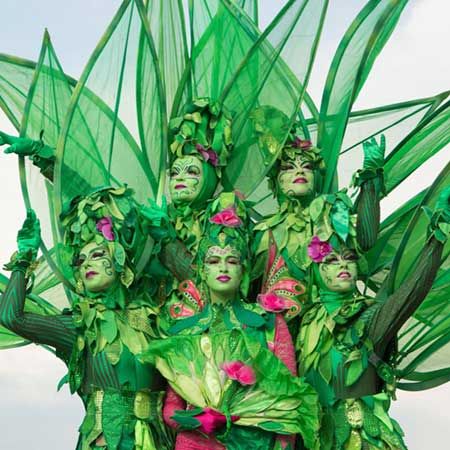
(340, 218)
(119, 254)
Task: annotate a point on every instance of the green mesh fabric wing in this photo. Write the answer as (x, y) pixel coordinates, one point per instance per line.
(275, 72)
(168, 28)
(110, 137)
(427, 139)
(16, 75)
(212, 64)
(424, 353)
(349, 69)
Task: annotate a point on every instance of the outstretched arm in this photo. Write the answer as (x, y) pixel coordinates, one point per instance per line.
(388, 318)
(42, 155)
(56, 331)
(371, 183)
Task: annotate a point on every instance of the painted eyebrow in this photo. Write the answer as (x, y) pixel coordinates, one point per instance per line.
(90, 252)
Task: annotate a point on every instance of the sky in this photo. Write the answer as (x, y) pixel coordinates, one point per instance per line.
(414, 64)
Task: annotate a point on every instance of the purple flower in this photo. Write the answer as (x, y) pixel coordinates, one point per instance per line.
(317, 249)
(105, 226)
(242, 373)
(208, 154)
(271, 302)
(212, 420)
(302, 144)
(227, 217)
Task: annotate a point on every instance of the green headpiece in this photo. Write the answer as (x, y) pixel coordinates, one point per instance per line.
(204, 130)
(271, 127)
(111, 217)
(226, 222)
(334, 227)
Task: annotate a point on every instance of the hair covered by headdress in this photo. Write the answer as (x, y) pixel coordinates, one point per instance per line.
(111, 217)
(280, 142)
(204, 130)
(225, 224)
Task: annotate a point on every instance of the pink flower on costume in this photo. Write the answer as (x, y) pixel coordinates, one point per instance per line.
(105, 226)
(237, 370)
(227, 217)
(317, 249)
(302, 144)
(208, 154)
(212, 420)
(272, 302)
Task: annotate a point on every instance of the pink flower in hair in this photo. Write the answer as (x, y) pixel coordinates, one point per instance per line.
(227, 217)
(208, 154)
(105, 226)
(272, 302)
(212, 420)
(242, 373)
(317, 249)
(302, 144)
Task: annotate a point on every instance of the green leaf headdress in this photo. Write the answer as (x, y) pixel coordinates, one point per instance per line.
(110, 217)
(226, 223)
(203, 131)
(271, 125)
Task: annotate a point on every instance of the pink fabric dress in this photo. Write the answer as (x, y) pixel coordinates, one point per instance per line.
(283, 348)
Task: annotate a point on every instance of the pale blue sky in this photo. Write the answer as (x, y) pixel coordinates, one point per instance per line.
(414, 64)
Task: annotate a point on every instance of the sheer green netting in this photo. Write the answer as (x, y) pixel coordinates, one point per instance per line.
(168, 27)
(349, 69)
(266, 79)
(16, 75)
(151, 61)
(110, 139)
(424, 341)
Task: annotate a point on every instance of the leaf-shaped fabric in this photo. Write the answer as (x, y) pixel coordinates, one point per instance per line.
(274, 73)
(349, 69)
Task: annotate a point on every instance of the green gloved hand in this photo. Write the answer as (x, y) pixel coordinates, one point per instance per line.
(374, 153)
(29, 236)
(20, 146)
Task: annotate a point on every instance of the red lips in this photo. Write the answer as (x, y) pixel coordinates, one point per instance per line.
(90, 274)
(223, 278)
(301, 180)
(344, 275)
(180, 186)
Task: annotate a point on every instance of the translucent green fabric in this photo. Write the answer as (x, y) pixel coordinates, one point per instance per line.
(156, 55)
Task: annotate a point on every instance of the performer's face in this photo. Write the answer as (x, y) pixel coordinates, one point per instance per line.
(296, 177)
(223, 271)
(96, 267)
(186, 179)
(339, 271)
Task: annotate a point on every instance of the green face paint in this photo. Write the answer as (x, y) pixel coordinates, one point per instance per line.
(96, 267)
(339, 271)
(296, 177)
(186, 179)
(222, 272)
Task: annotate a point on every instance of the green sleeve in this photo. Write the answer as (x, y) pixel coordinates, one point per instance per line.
(388, 317)
(368, 210)
(55, 331)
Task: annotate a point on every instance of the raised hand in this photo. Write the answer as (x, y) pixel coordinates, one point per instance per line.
(374, 153)
(18, 145)
(29, 236)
